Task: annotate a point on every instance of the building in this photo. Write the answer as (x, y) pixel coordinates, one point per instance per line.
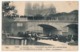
(34, 9)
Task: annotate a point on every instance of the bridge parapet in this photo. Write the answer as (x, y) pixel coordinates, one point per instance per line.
(63, 21)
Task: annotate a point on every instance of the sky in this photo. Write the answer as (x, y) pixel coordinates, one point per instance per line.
(61, 6)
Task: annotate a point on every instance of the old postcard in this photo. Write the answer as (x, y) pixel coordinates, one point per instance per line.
(40, 25)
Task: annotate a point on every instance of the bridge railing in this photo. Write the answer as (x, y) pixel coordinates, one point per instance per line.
(55, 20)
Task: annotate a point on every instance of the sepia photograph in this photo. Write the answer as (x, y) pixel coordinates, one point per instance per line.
(40, 25)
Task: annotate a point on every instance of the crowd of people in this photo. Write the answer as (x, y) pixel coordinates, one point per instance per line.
(33, 36)
(63, 38)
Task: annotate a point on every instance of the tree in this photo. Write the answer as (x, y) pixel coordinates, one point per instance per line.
(38, 17)
(7, 11)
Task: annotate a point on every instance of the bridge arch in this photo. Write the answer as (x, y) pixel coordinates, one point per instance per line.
(48, 29)
(73, 29)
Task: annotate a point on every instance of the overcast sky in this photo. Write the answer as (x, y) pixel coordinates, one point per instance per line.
(61, 6)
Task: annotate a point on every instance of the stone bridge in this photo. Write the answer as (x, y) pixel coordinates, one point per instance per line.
(53, 26)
